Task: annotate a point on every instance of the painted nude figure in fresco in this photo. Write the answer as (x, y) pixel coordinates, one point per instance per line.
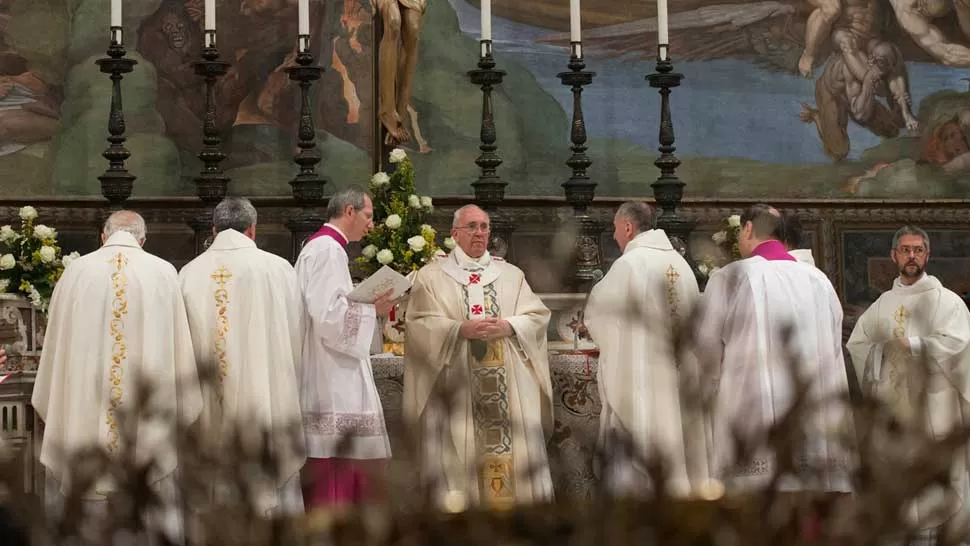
(398, 59)
(849, 88)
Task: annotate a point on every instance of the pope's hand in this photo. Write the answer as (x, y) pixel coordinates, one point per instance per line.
(497, 328)
(383, 304)
(474, 328)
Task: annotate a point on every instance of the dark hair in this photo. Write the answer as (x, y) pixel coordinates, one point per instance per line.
(347, 197)
(765, 220)
(791, 230)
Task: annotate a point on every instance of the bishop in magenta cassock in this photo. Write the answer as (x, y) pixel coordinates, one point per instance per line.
(476, 334)
(745, 309)
(116, 319)
(343, 421)
(245, 312)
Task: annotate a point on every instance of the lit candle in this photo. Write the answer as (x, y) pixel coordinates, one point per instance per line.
(575, 33)
(210, 14)
(303, 17)
(662, 37)
(115, 13)
(487, 20)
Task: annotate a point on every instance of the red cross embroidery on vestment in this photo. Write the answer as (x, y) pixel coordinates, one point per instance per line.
(474, 278)
(476, 309)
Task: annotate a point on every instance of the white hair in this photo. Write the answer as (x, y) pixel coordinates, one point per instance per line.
(456, 221)
(128, 221)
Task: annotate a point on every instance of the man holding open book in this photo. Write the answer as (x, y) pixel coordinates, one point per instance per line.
(346, 439)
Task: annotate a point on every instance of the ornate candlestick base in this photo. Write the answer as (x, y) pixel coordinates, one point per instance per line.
(307, 186)
(579, 189)
(116, 182)
(668, 190)
(211, 184)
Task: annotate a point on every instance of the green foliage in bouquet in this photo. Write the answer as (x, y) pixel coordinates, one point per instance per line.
(725, 246)
(400, 238)
(31, 262)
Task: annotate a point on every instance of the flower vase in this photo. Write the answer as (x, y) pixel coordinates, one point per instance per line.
(394, 329)
(22, 330)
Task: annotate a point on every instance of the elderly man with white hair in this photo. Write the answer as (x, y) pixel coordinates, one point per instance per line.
(476, 337)
(246, 315)
(116, 320)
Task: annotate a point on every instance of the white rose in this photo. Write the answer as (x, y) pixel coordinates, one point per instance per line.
(414, 201)
(28, 213)
(426, 202)
(369, 252)
(397, 155)
(7, 234)
(704, 269)
(734, 220)
(393, 221)
(380, 179)
(719, 237)
(47, 254)
(450, 243)
(4, 283)
(35, 297)
(417, 243)
(43, 232)
(385, 257)
(7, 261)
(66, 260)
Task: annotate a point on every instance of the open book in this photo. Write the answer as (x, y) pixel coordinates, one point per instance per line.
(383, 280)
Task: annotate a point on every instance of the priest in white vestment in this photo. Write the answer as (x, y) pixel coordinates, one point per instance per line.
(476, 336)
(745, 309)
(919, 323)
(346, 438)
(116, 319)
(632, 315)
(245, 312)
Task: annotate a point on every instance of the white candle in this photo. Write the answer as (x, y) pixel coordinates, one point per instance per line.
(486, 19)
(210, 14)
(115, 13)
(662, 37)
(303, 17)
(575, 32)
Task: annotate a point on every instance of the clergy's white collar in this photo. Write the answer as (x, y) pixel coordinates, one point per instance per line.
(230, 239)
(924, 283)
(654, 238)
(803, 255)
(122, 238)
(466, 262)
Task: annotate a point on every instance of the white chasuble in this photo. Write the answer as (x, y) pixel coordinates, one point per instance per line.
(490, 444)
(632, 315)
(245, 312)
(338, 393)
(936, 323)
(116, 319)
(746, 309)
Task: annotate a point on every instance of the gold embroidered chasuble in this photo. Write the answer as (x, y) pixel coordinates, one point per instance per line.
(936, 323)
(632, 314)
(492, 444)
(245, 312)
(116, 318)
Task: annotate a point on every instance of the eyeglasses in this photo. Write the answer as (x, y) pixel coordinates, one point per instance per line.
(474, 226)
(914, 250)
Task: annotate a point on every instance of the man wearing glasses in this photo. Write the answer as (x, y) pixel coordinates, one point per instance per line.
(914, 340)
(476, 375)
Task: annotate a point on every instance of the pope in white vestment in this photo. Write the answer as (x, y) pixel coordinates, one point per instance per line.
(477, 332)
(116, 319)
(245, 312)
(919, 323)
(631, 316)
(347, 440)
(746, 308)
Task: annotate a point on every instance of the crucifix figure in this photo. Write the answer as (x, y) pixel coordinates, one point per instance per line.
(398, 58)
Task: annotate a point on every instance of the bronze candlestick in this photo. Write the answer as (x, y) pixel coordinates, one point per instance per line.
(116, 182)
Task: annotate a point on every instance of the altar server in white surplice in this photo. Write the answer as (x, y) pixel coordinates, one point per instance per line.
(116, 319)
(246, 315)
(631, 316)
(338, 393)
(477, 333)
(915, 325)
(746, 309)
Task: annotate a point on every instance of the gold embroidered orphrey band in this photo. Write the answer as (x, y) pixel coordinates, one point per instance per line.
(119, 346)
(491, 414)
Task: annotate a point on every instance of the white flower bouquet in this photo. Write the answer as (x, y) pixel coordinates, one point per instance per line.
(31, 262)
